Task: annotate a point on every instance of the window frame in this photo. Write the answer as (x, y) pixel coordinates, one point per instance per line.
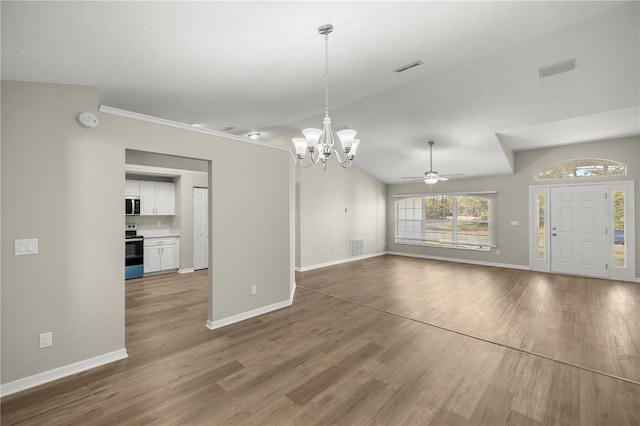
(455, 243)
(595, 162)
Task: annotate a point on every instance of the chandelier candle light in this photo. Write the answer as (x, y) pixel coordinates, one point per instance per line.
(320, 143)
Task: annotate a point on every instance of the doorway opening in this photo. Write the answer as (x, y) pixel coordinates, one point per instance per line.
(166, 224)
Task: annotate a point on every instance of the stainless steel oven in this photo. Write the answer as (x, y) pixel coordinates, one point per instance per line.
(134, 253)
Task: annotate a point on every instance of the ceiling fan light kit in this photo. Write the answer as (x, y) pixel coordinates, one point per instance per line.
(320, 143)
(431, 178)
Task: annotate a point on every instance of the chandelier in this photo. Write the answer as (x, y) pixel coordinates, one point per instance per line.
(320, 143)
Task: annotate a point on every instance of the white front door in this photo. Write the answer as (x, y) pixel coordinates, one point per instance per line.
(578, 230)
(200, 228)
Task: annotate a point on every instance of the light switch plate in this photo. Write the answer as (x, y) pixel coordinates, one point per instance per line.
(26, 246)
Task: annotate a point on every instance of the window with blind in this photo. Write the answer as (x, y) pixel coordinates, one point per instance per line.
(464, 221)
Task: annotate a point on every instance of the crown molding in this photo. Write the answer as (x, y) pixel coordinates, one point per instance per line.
(176, 125)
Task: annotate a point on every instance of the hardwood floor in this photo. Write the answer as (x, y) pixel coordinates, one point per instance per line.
(327, 360)
(588, 322)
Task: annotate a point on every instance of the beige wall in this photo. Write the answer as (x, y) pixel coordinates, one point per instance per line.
(154, 159)
(513, 198)
(62, 183)
(324, 228)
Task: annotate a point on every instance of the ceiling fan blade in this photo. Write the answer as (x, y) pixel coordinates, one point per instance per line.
(412, 177)
(453, 174)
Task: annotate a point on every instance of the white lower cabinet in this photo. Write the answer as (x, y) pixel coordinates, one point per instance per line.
(160, 254)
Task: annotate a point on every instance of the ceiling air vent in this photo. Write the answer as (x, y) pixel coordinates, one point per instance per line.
(563, 66)
(228, 128)
(408, 66)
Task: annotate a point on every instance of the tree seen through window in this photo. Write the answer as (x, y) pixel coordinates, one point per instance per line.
(459, 221)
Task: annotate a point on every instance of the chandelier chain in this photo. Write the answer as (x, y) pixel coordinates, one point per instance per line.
(326, 74)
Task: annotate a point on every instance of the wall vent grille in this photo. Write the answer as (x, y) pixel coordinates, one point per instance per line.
(550, 70)
(408, 66)
(357, 247)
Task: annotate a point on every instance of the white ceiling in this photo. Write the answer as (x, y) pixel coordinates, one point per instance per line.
(259, 66)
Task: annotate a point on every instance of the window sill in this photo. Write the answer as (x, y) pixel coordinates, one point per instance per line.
(445, 246)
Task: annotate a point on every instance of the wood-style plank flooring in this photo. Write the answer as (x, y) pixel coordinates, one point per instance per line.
(589, 322)
(327, 360)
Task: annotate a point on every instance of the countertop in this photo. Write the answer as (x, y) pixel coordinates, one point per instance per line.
(159, 233)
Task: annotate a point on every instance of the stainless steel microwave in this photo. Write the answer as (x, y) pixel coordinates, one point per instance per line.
(132, 206)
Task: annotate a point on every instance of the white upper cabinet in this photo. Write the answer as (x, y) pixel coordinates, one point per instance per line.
(147, 198)
(131, 188)
(157, 198)
(165, 199)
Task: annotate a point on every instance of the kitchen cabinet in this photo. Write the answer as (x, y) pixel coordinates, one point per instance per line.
(157, 198)
(160, 254)
(132, 188)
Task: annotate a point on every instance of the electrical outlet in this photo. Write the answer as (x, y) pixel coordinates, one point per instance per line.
(254, 290)
(497, 252)
(46, 340)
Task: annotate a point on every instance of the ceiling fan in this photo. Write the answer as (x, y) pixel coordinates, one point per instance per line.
(432, 176)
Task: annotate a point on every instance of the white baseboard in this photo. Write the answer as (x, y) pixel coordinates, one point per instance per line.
(212, 325)
(337, 262)
(293, 293)
(60, 372)
(186, 270)
(457, 260)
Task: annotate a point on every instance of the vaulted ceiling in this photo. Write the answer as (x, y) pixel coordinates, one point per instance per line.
(241, 67)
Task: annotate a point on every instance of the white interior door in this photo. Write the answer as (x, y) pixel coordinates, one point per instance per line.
(578, 230)
(200, 228)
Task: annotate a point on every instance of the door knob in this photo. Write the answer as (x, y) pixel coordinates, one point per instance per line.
(554, 234)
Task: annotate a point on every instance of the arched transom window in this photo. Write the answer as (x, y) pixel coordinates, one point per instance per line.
(580, 168)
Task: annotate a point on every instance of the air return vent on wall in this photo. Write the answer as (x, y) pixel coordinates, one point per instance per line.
(563, 66)
(408, 66)
(357, 247)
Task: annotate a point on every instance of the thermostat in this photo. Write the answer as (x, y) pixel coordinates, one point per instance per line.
(88, 119)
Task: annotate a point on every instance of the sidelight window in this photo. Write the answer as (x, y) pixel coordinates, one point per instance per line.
(619, 231)
(540, 250)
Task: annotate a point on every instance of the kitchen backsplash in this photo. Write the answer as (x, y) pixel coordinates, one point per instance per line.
(153, 222)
